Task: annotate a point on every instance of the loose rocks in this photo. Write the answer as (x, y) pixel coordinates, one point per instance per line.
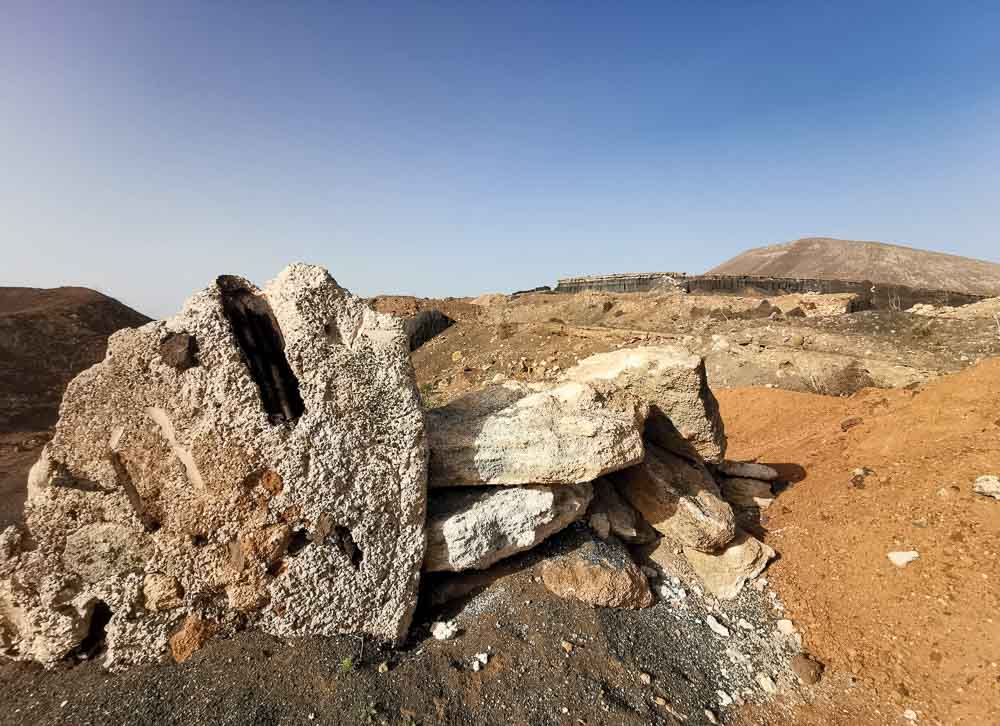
(725, 573)
(473, 528)
(988, 486)
(679, 498)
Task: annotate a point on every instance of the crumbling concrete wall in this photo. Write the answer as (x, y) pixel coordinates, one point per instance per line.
(624, 282)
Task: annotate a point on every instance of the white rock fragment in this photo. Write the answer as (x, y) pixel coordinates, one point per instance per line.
(988, 486)
(902, 559)
(910, 715)
(766, 683)
(479, 661)
(683, 414)
(717, 627)
(724, 698)
(476, 527)
(513, 435)
(444, 629)
(785, 627)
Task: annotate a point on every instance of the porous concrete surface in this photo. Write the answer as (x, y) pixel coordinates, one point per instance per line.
(163, 477)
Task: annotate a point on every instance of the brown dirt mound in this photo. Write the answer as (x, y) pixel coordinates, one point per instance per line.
(924, 637)
(46, 338)
(824, 257)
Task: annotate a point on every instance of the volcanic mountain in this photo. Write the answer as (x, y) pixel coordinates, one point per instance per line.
(825, 257)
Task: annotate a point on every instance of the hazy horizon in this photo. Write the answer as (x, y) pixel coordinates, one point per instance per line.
(441, 149)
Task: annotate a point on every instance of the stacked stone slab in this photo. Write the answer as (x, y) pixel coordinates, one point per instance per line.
(513, 464)
(642, 422)
(260, 458)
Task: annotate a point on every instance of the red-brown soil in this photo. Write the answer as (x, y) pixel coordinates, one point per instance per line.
(925, 637)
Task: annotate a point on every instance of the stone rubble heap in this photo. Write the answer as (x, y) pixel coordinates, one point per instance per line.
(261, 460)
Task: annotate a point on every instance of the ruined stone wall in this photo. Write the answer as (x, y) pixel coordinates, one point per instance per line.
(624, 282)
(871, 295)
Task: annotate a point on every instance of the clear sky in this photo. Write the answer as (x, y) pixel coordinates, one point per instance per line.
(439, 148)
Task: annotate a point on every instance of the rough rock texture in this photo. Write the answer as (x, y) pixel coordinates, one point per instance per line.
(725, 573)
(271, 470)
(611, 515)
(598, 573)
(748, 470)
(684, 414)
(679, 498)
(988, 486)
(473, 528)
(746, 493)
(514, 434)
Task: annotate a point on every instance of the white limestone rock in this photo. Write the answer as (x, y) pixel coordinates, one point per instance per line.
(684, 414)
(725, 573)
(987, 485)
(514, 434)
(474, 528)
(258, 458)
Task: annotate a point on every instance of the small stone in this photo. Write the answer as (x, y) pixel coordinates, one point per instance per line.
(748, 470)
(766, 683)
(910, 715)
(180, 351)
(660, 701)
(710, 715)
(456, 356)
(902, 559)
(849, 423)
(743, 624)
(785, 627)
(717, 627)
(988, 486)
(567, 646)
(808, 670)
(444, 630)
(645, 678)
(383, 667)
(724, 698)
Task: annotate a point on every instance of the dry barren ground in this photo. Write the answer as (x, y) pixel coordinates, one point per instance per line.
(920, 641)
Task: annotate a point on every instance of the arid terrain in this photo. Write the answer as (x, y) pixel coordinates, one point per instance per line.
(878, 423)
(876, 261)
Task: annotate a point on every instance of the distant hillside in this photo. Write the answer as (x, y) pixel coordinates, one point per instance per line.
(887, 264)
(46, 338)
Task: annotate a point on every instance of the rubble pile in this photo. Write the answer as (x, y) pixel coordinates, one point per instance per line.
(261, 460)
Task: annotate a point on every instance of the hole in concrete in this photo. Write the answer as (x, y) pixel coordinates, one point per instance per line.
(345, 540)
(97, 631)
(180, 351)
(332, 332)
(263, 349)
(297, 542)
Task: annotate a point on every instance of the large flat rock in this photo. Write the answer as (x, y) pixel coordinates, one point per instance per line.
(684, 414)
(515, 434)
(258, 458)
(470, 529)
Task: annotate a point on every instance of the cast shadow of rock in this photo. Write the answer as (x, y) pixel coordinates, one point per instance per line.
(755, 521)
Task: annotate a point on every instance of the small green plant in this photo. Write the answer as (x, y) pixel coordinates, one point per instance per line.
(346, 665)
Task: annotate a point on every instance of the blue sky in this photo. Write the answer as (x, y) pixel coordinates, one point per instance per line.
(456, 148)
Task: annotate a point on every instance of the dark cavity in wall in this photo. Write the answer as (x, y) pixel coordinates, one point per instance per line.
(263, 349)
